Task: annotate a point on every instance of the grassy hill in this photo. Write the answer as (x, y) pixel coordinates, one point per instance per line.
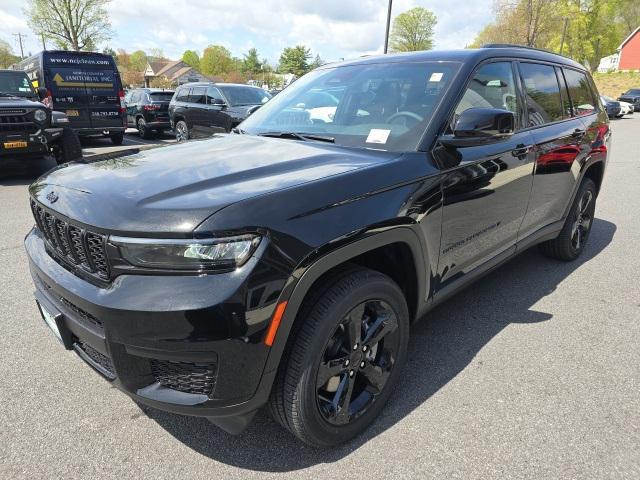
(613, 84)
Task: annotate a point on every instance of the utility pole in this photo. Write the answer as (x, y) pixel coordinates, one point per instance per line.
(386, 35)
(44, 45)
(564, 33)
(19, 37)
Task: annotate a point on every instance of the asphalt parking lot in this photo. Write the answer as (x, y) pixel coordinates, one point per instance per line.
(534, 372)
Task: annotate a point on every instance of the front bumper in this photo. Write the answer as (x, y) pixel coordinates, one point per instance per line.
(37, 143)
(184, 344)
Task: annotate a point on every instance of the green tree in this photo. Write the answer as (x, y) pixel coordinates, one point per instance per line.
(70, 24)
(317, 62)
(138, 61)
(7, 57)
(295, 60)
(191, 57)
(109, 51)
(413, 30)
(251, 63)
(216, 60)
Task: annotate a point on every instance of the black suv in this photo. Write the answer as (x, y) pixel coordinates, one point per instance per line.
(28, 128)
(148, 110)
(283, 264)
(201, 109)
(632, 96)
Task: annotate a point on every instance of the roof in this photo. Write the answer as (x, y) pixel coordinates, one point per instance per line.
(181, 72)
(217, 84)
(157, 66)
(626, 40)
(168, 66)
(474, 55)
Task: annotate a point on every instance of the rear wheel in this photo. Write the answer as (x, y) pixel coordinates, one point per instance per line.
(574, 234)
(117, 138)
(344, 360)
(141, 125)
(182, 131)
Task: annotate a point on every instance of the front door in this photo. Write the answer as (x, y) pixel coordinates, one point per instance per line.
(485, 197)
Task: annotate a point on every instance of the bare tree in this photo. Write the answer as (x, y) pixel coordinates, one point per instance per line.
(70, 24)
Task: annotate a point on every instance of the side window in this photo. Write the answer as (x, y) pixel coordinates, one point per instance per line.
(198, 95)
(492, 86)
(579, 92)
(135, 97)
(182, 95)
(213, 94)
(544, 104)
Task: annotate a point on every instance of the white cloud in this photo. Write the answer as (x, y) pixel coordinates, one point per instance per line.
(332, 28)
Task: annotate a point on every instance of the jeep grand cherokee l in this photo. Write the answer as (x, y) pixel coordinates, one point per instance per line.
(282, 265)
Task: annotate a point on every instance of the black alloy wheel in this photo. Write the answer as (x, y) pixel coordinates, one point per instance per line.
(345, 354)
(582, 224)
(357, 362)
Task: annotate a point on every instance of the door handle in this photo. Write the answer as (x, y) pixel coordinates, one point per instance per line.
(579, 133)
(521, 151)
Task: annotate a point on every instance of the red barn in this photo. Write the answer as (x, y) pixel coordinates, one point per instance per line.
(630, 52)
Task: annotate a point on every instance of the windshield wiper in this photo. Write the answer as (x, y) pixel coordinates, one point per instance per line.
(4, 94)
(299, 136)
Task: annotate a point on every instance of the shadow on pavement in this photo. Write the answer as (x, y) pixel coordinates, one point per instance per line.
(25, 171)
(441, 346)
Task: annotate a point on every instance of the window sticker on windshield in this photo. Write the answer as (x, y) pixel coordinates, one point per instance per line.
(378, 135)
(436, 77)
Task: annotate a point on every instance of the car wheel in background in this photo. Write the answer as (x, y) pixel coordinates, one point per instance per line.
(182, 131)
(346, 354)
(141, 125)
(68, 147)
(117, 138)
(575, 232)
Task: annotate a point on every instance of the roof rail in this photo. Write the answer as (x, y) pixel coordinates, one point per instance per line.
(513, 45)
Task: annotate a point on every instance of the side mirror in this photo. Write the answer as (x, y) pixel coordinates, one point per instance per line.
(218, 102)
(478, 126)
(42, 93)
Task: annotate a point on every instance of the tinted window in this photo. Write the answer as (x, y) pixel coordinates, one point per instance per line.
(238, 95)
(182, 95)
(633, 91)
(135, 97)
(564, 95)
(542, 93)
(161, 96)
(198, 95)
(492, 86)
(213, 94)
(579, 91)
(385, 106)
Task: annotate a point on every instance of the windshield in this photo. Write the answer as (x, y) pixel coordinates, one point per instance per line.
(606, 99)
(16, 83)
(383, 106)
(633, 91)
(161, 96)
(239, 95)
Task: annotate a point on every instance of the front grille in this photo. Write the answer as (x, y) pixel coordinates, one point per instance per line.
(196, 378)
(75, 245)
(97, 360)
(16, 123)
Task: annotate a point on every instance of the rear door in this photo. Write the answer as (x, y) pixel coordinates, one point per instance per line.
(161, 100)
(559, 133)
(84, 86)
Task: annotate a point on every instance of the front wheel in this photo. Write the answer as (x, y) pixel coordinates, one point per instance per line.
(574, 234)
(182, 131)
(344, 360)
(68, 147)
(117, 138)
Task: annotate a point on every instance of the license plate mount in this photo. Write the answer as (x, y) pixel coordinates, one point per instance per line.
(55, 321)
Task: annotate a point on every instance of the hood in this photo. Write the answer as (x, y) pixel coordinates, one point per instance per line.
(18, 102)
(173, 189)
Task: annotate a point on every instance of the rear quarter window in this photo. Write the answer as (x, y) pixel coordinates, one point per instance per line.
(580, 93)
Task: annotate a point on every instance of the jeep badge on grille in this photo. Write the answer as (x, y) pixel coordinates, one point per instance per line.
(52, 197)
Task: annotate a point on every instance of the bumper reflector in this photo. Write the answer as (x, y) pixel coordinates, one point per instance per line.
(275, 323)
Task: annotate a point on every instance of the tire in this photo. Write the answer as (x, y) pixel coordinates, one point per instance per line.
(182, 131)
(141, 125)
(570, 243)
(320, 361)
(68, 147)
(117, 138)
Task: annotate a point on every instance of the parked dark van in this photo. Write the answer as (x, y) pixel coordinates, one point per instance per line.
(203, 108)
(85, 86)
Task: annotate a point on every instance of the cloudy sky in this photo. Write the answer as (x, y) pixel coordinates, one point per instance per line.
(333, 28)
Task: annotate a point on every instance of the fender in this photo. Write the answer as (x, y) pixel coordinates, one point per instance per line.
(295, 290)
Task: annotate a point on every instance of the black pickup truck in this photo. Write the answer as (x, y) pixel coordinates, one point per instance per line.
(28, 129)
(631, 96)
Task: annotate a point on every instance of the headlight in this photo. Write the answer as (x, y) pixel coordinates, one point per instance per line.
(195, 255)
(40, 116)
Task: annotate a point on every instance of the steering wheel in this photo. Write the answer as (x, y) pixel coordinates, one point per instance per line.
(405, 114)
